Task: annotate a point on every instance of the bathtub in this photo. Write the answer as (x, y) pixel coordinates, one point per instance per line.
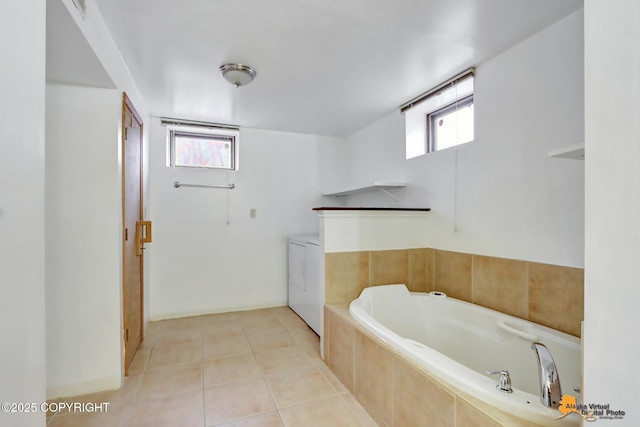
(458, 342)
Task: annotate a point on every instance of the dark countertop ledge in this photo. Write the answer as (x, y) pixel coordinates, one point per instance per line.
(333, 208)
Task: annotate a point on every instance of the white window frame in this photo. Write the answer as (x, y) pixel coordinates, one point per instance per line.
(432, 118)
(417, 112)
(205, 132)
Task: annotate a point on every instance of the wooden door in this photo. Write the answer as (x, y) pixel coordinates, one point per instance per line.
(132, 213)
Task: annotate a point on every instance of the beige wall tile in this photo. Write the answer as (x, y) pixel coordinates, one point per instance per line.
(418, 270)
(431, 257)
(453, 274)
(556, 296)
(498, 283)
(468, 416)
(327, 331)
(341, 349)
(474, 411)
(373, 376)
(346, 275)
(418, 400)
(387, 267)
(501, 284)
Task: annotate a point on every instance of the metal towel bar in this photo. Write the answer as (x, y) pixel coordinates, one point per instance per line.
(179, 184)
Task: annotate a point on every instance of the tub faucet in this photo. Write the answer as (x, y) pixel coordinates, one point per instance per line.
(550, 392)
(504, 382)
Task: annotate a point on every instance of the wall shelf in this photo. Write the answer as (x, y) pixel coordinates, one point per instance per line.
(383, 186)
(575, 152)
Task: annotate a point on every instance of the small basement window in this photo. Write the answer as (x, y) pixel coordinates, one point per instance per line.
(440, 118)
(210, 148)
(450, 126)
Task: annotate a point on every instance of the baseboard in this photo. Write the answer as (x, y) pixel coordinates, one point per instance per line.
(87, 387)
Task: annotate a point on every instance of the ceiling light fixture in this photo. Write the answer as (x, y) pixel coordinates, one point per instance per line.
(237, 74)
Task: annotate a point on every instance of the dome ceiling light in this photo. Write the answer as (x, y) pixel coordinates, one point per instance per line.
(237, 74)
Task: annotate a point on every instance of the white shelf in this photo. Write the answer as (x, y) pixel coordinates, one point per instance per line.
(575, 152)
(383, 186)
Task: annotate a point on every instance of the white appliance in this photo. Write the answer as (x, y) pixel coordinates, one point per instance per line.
(304, 279)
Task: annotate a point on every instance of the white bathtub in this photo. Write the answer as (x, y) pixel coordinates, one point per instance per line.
(457, 342)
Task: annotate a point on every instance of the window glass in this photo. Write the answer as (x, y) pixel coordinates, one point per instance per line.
(203, 149)
(451, 126)
(442, 119)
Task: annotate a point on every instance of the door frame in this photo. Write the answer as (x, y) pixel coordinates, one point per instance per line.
(127, 104)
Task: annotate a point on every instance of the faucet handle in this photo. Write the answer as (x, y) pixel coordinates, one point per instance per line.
(504, 381)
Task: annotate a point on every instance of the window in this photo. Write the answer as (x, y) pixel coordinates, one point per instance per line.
(203, 147)
(440, 118)
(450, 126)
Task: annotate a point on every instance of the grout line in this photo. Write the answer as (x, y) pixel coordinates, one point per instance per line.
(204, 402)
(526, 278)
(315, 399)
(273, 399)
(152, 342)
(394, 374)
(353, 412)
(472, 278)
(455, 410)
(265, 382)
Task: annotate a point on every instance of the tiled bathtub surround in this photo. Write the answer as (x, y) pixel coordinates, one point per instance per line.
(547, 294)
(394, 390)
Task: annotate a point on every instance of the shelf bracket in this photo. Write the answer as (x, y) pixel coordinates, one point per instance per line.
(385, 187)
(337, 199)
(388, 193)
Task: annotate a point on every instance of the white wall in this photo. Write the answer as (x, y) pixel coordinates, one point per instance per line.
(354, 231)
(612, 273)
(94, 28)
(200, 264)
(83, 215)
(507, 198)
(83, 197)
(22, 122)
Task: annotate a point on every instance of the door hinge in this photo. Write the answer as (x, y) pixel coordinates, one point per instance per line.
(126, 234)
(126, 133)
(126, 334)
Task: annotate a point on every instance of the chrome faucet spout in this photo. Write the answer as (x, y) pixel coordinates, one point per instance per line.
(550, 391)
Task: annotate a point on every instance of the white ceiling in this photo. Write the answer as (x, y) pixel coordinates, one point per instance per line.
(325, 67)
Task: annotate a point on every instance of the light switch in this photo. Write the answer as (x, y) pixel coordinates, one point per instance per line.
(252, 213)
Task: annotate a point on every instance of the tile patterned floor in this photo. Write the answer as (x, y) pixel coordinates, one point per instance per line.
(252, 368)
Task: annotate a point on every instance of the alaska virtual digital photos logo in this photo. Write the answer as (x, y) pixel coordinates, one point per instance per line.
(589, 412)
